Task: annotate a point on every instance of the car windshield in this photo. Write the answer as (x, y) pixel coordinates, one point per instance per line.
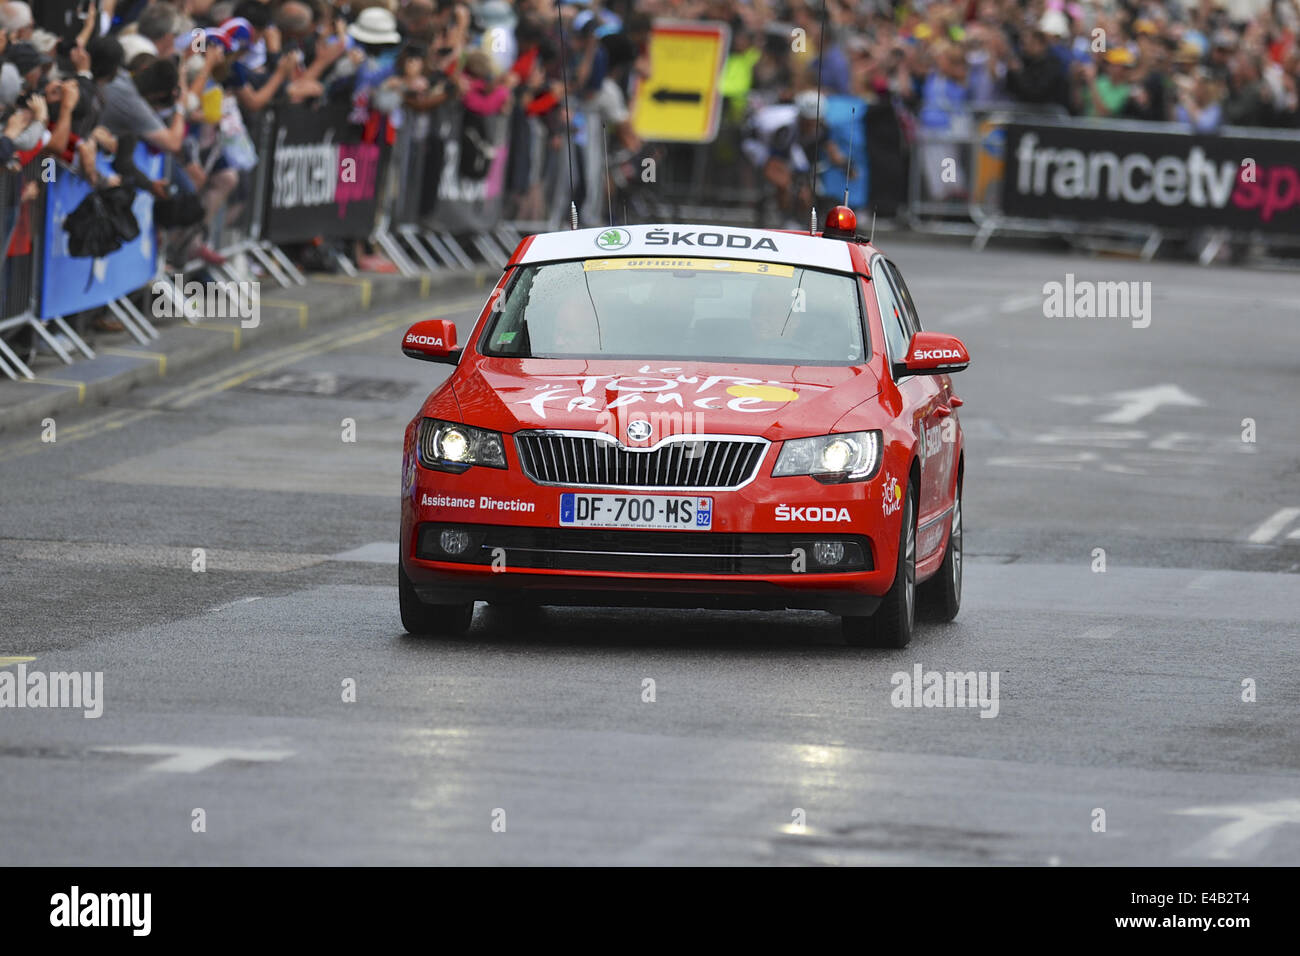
(679, 309)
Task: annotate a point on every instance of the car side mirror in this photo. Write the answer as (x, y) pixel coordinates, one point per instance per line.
(932, 353)
(433, 340)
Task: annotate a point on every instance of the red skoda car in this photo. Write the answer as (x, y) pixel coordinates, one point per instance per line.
(688, 416)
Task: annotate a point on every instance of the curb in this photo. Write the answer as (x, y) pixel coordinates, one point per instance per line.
(286, 313)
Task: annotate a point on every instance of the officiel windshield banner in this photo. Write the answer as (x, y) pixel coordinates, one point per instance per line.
(1155, 178)
(324, 181)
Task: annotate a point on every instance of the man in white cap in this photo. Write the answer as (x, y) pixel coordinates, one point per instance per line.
(16, 20)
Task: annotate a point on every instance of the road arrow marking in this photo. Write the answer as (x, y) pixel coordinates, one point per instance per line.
(1134, 405)
(1251, 820)
(193, 759)
(1141, 402)
(1273, 526)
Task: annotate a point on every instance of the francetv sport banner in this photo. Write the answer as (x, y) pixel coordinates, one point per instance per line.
(74, 283)
(324, 180)
(1155, 176)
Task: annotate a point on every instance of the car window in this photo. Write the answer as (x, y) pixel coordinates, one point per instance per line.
(891, 313)
(679, 309)
(910, 315)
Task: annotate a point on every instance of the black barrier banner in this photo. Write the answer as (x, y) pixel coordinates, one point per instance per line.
(1154, 178)
(472, 181)
(324, 181)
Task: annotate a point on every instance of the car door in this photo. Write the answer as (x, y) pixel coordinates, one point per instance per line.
(922, 393)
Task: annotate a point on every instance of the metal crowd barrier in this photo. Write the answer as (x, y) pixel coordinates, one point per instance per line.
(242, 237)
(21, 276)
(417, 241)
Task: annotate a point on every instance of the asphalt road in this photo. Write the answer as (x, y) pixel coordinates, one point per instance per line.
(768, 740)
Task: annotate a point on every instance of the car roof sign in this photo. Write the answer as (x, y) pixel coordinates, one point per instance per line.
(761, 245)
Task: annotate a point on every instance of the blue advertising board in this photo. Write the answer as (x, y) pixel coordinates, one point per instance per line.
(71, 284)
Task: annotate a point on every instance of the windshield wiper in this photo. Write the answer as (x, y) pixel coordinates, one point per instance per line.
(600, 342)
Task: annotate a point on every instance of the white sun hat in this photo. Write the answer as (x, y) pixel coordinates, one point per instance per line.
(375, 26)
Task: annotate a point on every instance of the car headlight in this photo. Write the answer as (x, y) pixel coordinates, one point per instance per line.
(852, 456)
(448, 446)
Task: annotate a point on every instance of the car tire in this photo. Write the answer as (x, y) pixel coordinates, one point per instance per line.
(941, 595)
(432, 620)
(892, 624)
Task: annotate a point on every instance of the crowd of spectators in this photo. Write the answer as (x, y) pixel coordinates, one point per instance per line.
(190, 78)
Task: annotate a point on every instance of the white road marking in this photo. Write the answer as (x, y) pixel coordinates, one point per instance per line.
(226, 607)
(1251, 821)
(1273, 526)
(1056, 462)
(1134, 405)
(972, 313)
(179, 759)
(1019, 303)
(1090, 437)
(377, 552)
(1141, 402)
(306, 459)
(172, 557)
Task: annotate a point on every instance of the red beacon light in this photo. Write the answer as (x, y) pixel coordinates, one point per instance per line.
(841, 223)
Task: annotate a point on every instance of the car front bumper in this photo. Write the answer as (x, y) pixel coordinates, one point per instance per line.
(759, 554)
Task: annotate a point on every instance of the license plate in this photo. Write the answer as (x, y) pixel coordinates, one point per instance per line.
(663, 512)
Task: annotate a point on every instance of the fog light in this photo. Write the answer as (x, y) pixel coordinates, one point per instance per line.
(825, 552)
(455, 542)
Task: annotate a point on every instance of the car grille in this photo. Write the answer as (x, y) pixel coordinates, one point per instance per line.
(675, 552)
(598, 459)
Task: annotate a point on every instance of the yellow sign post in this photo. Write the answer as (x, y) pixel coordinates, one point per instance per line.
(680, 101)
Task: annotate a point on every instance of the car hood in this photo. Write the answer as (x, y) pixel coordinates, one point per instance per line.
(772, 401)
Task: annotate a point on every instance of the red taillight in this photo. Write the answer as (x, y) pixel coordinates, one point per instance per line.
(841, 222)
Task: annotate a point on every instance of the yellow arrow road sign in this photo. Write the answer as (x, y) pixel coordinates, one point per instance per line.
(680, 101)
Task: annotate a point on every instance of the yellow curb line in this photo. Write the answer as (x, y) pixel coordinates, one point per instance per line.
(64, 383)
(234, 329)
(302, 308)
(365, 285)
(159, 357)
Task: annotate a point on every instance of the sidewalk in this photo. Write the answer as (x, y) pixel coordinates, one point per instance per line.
(286, 314)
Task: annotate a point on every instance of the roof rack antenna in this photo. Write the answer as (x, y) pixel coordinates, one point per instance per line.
(609, 194)
(817, 145)
(568, 119)
(848, 173)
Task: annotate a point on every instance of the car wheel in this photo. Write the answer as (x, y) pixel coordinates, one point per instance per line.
(941, 595)
(435, 620)
(891, 625)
